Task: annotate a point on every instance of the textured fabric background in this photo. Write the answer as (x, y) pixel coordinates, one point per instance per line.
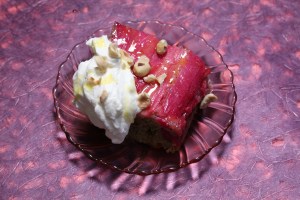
(259, 40)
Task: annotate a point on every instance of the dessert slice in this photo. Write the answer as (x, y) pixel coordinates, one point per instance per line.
(175, 82)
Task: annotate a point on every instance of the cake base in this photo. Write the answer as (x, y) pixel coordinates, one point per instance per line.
(147, 131)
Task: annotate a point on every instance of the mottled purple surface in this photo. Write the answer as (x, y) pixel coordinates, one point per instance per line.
(260, 42)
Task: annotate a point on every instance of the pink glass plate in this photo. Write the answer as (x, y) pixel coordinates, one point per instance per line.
(207, 129)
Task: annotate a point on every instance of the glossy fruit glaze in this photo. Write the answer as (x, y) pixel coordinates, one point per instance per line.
(172, 102)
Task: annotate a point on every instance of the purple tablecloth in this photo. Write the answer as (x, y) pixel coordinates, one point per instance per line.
(259, 40)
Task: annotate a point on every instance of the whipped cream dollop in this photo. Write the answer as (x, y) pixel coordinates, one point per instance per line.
(104, 89)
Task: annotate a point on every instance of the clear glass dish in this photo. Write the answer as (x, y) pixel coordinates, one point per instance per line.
(206, 131)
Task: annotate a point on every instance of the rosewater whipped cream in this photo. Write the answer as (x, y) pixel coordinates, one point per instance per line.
(104, 89)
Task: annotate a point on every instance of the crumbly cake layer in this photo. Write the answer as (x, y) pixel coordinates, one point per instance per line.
(147, 131)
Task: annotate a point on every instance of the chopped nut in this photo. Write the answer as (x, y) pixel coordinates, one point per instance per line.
(99, 60)
(93, 47)
(142, 67)
(125, 65)
(101, 64)
(125, 56)
(143, 100)
(93, 81)
(113, 51)
(161, 47)
(103, 96)
(208, 99)
(161, 78)
(150, 78)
